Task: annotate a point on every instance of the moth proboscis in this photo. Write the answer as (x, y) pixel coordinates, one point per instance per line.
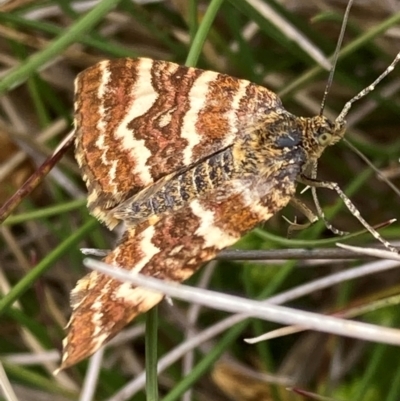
(189, 160)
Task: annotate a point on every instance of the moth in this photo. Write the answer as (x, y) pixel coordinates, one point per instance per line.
(190, 161)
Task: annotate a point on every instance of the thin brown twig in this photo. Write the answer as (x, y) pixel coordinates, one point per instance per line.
(34, 180)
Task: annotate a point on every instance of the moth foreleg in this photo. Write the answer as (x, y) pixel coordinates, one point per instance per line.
(306, 211)
(349, 204)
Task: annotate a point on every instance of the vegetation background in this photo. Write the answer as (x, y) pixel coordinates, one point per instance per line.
(43, 45)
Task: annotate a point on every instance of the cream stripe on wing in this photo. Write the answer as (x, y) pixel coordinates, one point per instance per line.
(148, 249)
(139, 295)
(197, 98)
(145, 96)
(232, 116)
(251, 198)
(102, 123)
(213, 235)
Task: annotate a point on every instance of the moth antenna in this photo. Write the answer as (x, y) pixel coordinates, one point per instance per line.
(367, 90)
(336, 56)
(371, 165)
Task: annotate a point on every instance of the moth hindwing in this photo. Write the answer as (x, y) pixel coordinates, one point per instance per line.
(189, 160)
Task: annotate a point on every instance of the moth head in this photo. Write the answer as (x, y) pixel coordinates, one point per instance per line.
(320, 132)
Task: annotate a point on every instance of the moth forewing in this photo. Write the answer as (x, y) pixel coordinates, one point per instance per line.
(138, 120)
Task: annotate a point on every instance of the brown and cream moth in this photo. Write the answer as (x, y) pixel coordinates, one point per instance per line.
(189, 160)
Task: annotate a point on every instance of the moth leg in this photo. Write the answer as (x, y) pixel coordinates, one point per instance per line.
(311, 174)
(314, 183)
(306, 211)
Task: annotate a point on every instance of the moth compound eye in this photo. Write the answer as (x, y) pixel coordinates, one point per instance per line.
(324, 139)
